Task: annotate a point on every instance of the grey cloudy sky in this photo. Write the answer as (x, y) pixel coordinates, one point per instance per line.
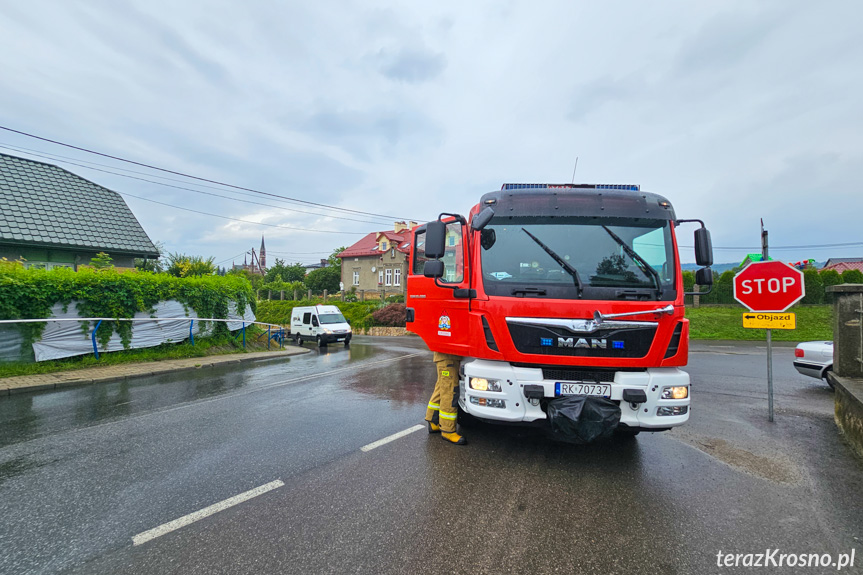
(734, 110)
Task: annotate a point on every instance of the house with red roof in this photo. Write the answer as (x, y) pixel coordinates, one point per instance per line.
(843, 264)
(379, 261)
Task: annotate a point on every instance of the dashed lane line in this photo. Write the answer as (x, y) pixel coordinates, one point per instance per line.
(151, 534)
(393, 437)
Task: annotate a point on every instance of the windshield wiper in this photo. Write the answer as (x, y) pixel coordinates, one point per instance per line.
(562, 262)
(642, 263)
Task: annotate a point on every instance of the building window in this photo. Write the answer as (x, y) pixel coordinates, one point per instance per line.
(356, 259)
(46, 265)
(393, 253)
(384, 246)
(389, 277)
(397, 277)
(356, 278)
(381, 277)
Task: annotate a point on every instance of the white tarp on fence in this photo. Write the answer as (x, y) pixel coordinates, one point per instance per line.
(11, 344)
(67, 338)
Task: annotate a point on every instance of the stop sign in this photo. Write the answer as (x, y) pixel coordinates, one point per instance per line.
(769, 286)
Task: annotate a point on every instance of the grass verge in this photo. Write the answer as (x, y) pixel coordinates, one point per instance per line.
(726, 322)
(204, 346)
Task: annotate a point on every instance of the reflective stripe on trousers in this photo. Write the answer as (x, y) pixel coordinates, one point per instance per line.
(443, 405)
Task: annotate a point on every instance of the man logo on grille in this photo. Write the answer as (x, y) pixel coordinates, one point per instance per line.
(583, 343)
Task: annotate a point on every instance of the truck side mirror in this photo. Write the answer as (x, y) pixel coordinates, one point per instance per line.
(482, 219)
(704, 277)
(703, 248)
(433, 269)
(435, 241)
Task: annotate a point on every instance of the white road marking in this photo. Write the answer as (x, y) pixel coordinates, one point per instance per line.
(392, 437)
(205, 512)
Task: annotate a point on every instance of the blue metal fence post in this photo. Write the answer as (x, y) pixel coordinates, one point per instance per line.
(244, 335)
(268, 337)
(191, 335)
(93, 337)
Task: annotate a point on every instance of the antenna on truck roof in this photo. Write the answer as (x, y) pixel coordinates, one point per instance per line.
(574, 169)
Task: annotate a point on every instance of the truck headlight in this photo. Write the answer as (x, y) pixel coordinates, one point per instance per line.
(327, 330)
(677, 392)
(483, 384)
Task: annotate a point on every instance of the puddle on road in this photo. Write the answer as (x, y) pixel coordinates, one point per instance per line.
(775, 469)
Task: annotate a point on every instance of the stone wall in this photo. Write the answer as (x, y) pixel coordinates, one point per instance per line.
(847, 374)
(388, 331)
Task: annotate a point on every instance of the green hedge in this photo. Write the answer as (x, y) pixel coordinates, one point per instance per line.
(815, 282)
(30, 294)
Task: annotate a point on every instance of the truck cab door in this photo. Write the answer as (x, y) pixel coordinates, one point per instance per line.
(441, 304)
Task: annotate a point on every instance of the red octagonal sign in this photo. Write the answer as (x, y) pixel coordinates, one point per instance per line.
(769, 286)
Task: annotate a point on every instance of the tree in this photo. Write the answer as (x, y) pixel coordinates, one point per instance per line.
(327, 278)
(830, 278)
(288, 274)
(256, 280)
(852, 277)
(334, 260)
(152, 265)
(182, 265)
(814, 287)
(102, 261)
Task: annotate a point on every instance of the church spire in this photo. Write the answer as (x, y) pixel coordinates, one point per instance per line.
(263, 256)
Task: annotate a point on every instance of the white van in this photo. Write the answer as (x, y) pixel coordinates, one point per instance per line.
(321, 323)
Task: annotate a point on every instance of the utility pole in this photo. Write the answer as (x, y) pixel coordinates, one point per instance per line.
(764, 257)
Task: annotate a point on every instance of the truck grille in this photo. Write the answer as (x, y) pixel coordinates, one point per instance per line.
(558, 374)
(606, 341)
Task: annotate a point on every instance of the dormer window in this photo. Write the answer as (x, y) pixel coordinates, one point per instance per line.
(384, 246)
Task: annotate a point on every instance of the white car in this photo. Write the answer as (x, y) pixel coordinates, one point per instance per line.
(814, 358)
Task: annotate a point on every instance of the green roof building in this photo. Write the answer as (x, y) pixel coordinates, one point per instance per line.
(753, 258)
(50, 217)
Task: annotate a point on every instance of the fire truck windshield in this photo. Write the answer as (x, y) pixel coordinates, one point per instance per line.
(603, 258)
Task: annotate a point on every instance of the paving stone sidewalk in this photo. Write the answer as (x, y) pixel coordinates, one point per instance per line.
(109, 373)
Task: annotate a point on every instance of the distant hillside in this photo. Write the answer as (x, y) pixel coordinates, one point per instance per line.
(718, 268)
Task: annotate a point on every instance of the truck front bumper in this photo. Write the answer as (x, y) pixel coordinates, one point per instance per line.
(653, 414)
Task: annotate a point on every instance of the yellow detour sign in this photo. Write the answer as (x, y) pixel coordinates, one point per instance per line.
(759, 320)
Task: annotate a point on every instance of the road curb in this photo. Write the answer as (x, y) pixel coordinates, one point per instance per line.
(129, 371)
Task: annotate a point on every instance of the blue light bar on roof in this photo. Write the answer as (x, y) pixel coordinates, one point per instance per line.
(627, 187)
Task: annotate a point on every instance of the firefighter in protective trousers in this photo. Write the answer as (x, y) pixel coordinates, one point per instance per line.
(443, 406)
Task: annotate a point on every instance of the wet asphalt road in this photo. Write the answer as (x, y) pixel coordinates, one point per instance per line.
(84, 470)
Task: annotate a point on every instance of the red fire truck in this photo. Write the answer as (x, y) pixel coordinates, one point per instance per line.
(556, 290)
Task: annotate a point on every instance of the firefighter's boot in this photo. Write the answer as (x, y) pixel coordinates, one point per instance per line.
(433, 427)
(453, 437)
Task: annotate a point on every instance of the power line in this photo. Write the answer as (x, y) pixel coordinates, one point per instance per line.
(65, 160)
(229, 259)
(193, 177)
(239, 220)
(189, 189)
(297, 253)
(801, 247)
